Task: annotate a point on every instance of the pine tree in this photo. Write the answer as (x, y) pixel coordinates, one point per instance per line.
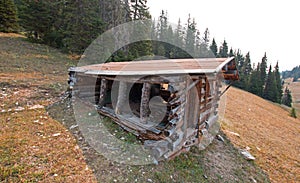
(223, 52)
(36, 18)
(82, 24)
(169, 45)
(202, 45)
(213, 47)
(42, 20)
(231, 54)
(254, 82)
(178, 41)
(140, 10)
(278, 83)
(190, 37)
(263, 69)
(287, 98)
(240, 60)
(114, 12)
(246, 72)
(270, 91)
(240, 66)
(262, 75)
(161, 47)
(206, 37)
(8, 16)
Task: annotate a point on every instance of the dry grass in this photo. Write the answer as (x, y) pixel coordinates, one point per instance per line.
(272, 135)
(33, 146)
(295, 89)
(10, 35)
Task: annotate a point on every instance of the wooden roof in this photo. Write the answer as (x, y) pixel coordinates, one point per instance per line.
(155, 67)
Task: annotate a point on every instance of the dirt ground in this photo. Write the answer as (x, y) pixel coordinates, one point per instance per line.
(267, 129)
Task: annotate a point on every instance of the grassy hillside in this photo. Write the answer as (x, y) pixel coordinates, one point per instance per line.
(33, 146)
(266, 128)
(38, 147)
(295, 89)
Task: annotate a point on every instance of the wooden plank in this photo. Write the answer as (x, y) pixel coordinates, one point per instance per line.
(122, 94)
(144, 108)
(103, 90)
(168, 66)
(148, 79)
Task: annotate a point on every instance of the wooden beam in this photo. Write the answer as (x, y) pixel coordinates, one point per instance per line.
(103, 89)
(149, 79)
(122, 94)
(144, 107)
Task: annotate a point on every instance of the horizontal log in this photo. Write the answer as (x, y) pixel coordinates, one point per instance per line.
(130, 123)
(148, 79)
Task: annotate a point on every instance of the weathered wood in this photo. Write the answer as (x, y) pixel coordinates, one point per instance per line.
(208, 106)
(197, 108)
(144, 108)
(142, 132)
(103, 89)
(122, 94)
(148, 79)
(187, 116)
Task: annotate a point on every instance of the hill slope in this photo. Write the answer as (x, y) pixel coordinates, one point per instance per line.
(267, 128)
(35, 147)
(295, 89)
(38, 147)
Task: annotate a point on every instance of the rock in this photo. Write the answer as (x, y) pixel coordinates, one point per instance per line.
(18, 109)
(56, 134)
(247, 154)
(220, 138)
(36, 107)
(73, 126)
(233, 133)
(253, 180)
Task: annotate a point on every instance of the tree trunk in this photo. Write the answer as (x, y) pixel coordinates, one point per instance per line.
(144, 108)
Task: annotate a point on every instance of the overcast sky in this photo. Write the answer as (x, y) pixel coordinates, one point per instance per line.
(257, 26)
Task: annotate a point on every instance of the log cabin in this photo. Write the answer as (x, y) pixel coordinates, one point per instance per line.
(169, 104)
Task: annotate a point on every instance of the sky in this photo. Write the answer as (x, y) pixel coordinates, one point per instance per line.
(257, 26)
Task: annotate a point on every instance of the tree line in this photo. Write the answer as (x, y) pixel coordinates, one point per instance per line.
(72, 25)
(68, 25)
(294, 73)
